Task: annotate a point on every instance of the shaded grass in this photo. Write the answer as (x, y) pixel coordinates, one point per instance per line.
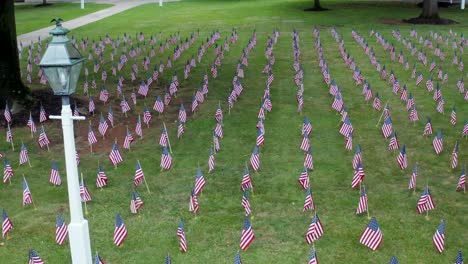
(279, 224)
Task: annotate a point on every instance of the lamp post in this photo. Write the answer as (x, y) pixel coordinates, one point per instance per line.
(61, 64)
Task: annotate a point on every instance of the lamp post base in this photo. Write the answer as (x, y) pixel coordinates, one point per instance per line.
(79, 242)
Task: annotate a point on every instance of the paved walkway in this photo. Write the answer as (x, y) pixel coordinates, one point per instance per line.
(118, 6)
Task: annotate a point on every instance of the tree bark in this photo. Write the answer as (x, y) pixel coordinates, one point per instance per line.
(430, 9)
(317, 4)
(11, 86)
(44, 2)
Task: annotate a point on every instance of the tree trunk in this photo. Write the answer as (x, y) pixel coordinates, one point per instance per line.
(430, 9)
(44, 2)
(11, 86)
(317, 4)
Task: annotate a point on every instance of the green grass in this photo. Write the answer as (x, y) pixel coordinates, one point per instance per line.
(278, 221)
(42, 15)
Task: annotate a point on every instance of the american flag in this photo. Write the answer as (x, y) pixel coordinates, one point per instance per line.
(120, 231)
(219, 113)
(143, 89)
(260, 137)
(419, 79)
(110, 116)
(429, 85)
(135, 203)
(349, 142)
(180, 129)
(219, 130)
(438, 143)
(101, 179)
(313, 256)
(139, 176)
(308, 159)
(372, 235)
(23, 154)
(158, 105)
(439, 237)
(182, 114)
(9, 134)
(91, 105)
(437, 93)
(127, 140)
(337, 102)
(309, 201)
(453, 116)
(459, 259)
(306, 126)
(124, 105)
(387, 127)
(362, 206)
(163, 138)
(54, 175)
(138, 129)
(166, 159)
(396, 87)
(7, 171)
(425, 202)
(146, 115)
(246, 180)
(7, 113)
(43, 139)
(414, 176)
(461, 185)
(255, 159)
(31, 124)
(75, 110)
(211, 160)
(358, 176)
(27, 198)
(315, 230)
(410, 102)
(304, 179)
(357, 159)
(393, 143)
(84, 192)
(42, 115)
(440, 106)
(97, 259)
(181, 235)
(305, 143)
(404, 94)
(216, 142)
(465, 128)
(247, 235)
(194, 104)
(61, 231)
(454, 159)
(237, 258)
(91, 137)
(104, 94)
(246, 204)
(34, 257)
(428, 127)
(7, 225)
(199, 182)
(376, 104)
(193, 204)
(393, 260)
(347, 127)
(401, 158)
(114, 156)
(102, 127)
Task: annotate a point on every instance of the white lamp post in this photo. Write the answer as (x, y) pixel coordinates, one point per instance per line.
(61, 64)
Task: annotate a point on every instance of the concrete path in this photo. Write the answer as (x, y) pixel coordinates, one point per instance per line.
(118, 6)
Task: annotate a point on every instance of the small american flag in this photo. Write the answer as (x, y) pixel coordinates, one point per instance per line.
(75, 110)
(438, 143)
(147, 115)
(347, 127)
(246, 203)
(7, 171)
(216, 142)
(84, 192)
(376, 103)
(54, 175)
(180, 129)
(349, 142)
(91, 105)
(453, 116)
(182, 114)
(102, 127)
(143, 89)
(315, 230)
(120, 231)
(91, 137)
(193, 204)
(114, 156)
(440, 105)
(124, 105)
(313, 256)
(246, 180)
(362, 206)
(387, 127)
(454, 159)
(219, 130)
(358, 176)
(304, 179)
(158, 105)
(7, 225)
(305, 143)
(27, 197)
(194, 104)
(61, 231)
(459, 259)
(393, 143)
(211, 160)
(410, 102)
(255, 159)
(104, 94)
(437, 94)
(306, 126)
(135, 203)
(247, 235)
(101, 179)
(308, 159)
(110, 116)
(465, 128)
(31, 124)
(414, 176)
(42, 115)
(43, 139)
(34, 257)
(181, 235)
(419, 79)
(439, 237)
(139, 175)
(128, 140)
(401, 158)
(163, 138)
(166, 159)
(308, 201)
(425, 202)
(237, 258)
(23, 155)
(372, 235)
(461, 185)
(357, 159)
(9, 134)
(428, 127)
(337, 102)
(199, 182)
(393, 260)
(138, 129)
(7, 113)
(97, 259)
(429, 85)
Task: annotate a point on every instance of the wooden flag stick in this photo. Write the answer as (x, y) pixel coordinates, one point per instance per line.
(86, 208)
(12, 145)
(167, 135)
(380, 118)
(144, 178)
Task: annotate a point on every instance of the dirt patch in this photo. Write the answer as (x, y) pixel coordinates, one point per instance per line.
(392, 22)
(430, 21)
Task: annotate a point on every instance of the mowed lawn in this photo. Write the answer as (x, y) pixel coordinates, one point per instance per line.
(277, 201)
(30, 17)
